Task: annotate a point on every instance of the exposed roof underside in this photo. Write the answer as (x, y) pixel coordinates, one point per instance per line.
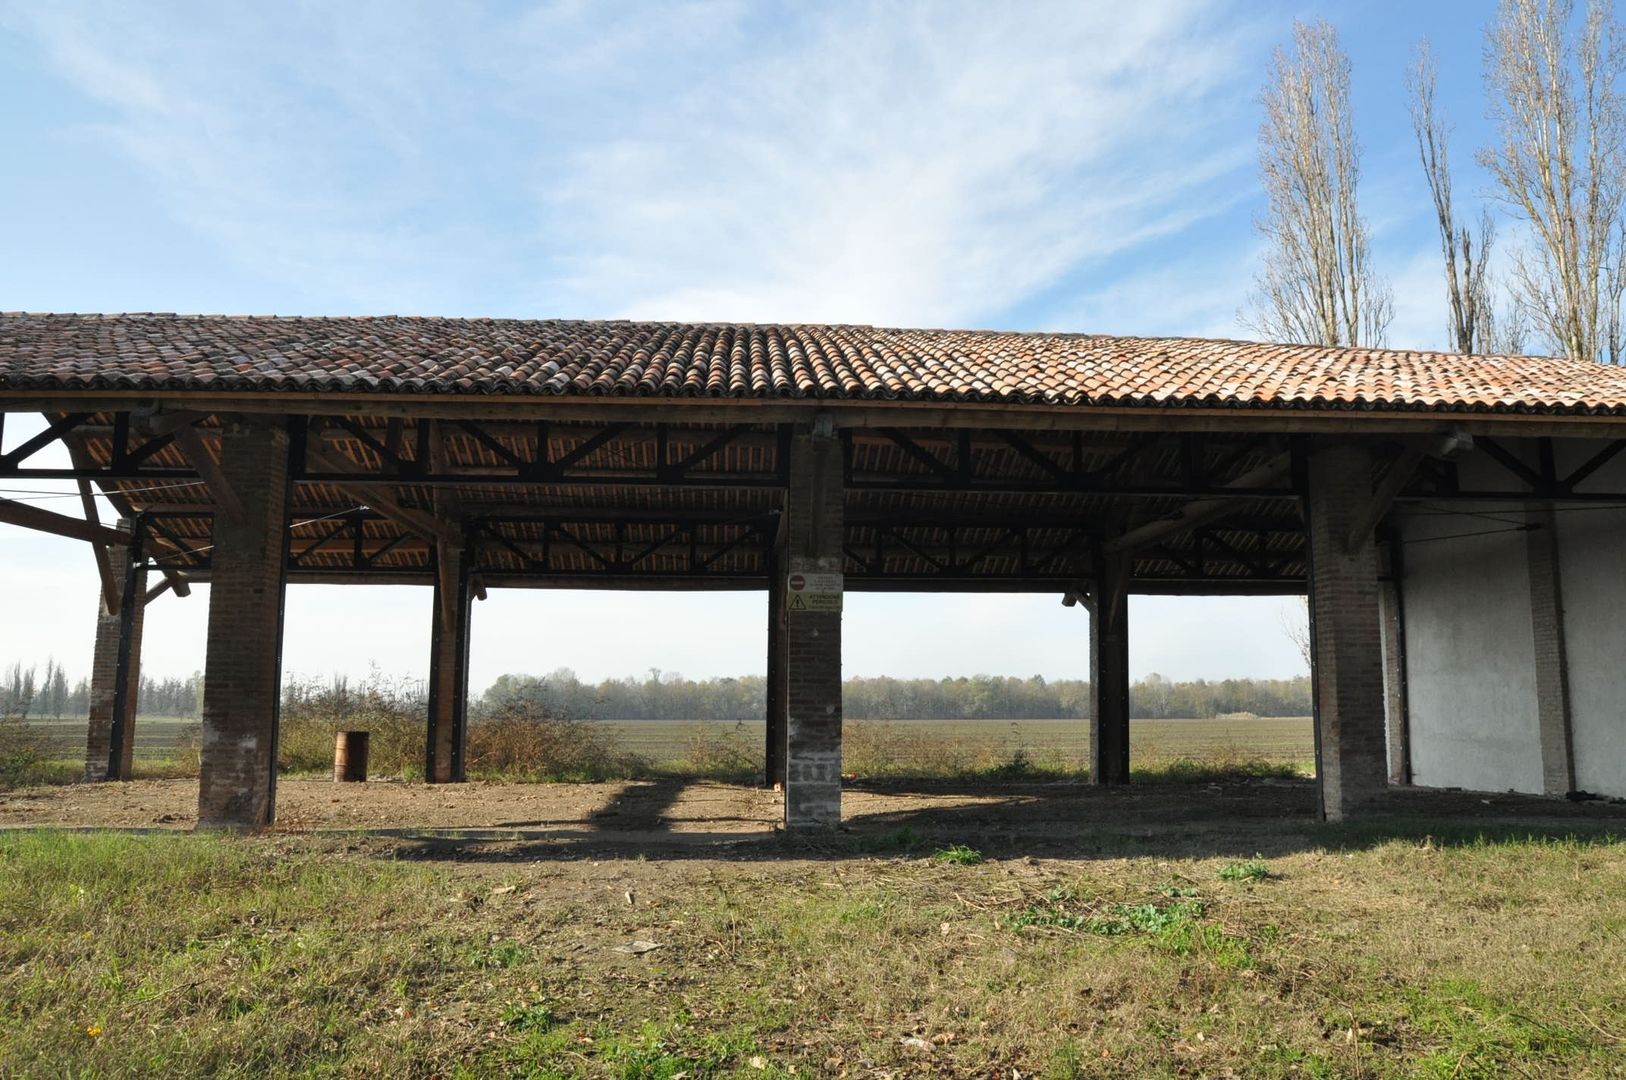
(695, 506)
(395, 447)
(391, 355)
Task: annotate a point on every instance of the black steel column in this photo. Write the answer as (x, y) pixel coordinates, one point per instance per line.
(774, 760)
(126, 680)
(1109, 671)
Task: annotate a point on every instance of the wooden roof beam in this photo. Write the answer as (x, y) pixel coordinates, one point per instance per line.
(1201, 511)
(381, 499)
(48, 521)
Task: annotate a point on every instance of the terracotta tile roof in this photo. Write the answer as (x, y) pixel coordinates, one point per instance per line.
(517, 357)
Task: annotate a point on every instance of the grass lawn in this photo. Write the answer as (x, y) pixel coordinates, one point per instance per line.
(1405, 948)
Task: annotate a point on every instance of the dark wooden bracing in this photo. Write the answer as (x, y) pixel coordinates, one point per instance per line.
(695, 505)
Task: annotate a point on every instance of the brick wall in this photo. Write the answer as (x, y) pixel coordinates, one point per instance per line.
(243, 665)
(1345, 634)
(814, 506)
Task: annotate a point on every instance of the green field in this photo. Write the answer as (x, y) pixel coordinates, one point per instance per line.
(872, 747)
(936, 747)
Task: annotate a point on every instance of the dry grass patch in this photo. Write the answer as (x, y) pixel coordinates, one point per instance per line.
(1355, 955)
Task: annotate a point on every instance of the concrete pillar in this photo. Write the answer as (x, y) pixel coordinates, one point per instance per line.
(449, 668)
(1392, 620)
(814, 505)
(1345, 637)
(774, 759)
(1109, 671)
(115, 673)
(1552, 656)
(243, 668)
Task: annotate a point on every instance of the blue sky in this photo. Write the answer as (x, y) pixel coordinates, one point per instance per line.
(1078, 166)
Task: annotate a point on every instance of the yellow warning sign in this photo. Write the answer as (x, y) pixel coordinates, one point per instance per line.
(801, 601)
(805, 591)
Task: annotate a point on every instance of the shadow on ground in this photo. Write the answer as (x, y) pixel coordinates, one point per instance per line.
(1225, 818)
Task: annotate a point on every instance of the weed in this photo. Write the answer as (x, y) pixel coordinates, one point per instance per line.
(496, 956)
(1252, 870)
(957, 855)
(526, 1019)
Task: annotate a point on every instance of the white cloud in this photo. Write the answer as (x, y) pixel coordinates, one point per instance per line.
(885, 164)
(929, 164)
(928, 169)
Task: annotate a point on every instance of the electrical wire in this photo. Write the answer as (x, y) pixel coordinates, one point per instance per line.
(41, 496)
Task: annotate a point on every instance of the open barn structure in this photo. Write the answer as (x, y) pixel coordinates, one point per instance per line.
(1457, 522)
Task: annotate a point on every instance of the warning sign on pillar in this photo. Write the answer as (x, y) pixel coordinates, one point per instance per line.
(812, 591)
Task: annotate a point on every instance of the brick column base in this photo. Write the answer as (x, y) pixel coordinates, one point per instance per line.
(1346, 639)
(242, 673)
(814, 505)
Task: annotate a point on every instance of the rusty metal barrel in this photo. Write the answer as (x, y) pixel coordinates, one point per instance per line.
(350, 757)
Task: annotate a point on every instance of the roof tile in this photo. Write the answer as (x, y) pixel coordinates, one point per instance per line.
(541, 357)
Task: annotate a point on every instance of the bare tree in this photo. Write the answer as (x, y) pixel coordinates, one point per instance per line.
(1317, 284)
(1560, 165)
(1467, 255)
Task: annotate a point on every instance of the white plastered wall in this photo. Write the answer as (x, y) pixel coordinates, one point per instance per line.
(1592, 560)
(1470, 650)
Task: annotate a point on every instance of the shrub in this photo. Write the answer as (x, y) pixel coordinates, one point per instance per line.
(391, 710)
(721, 752)
(516, 737)
(22, 753)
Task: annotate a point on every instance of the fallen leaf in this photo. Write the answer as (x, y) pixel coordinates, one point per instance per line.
(637, 948)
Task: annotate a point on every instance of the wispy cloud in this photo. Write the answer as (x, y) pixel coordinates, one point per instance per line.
(928, 164)
(932, 168)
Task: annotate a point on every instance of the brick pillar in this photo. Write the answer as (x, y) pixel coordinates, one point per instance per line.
(1392, 619)
(814, 506)
(243, 668)
(1109, 671)
(774, 738)
(449, 668)
(1552, 657)
(1345, 637)
(110, 737)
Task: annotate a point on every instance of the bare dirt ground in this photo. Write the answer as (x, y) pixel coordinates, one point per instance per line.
(665, 814)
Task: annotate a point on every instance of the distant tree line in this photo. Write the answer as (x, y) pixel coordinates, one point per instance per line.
(28, 691)
(660, 696)
(50, 693)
